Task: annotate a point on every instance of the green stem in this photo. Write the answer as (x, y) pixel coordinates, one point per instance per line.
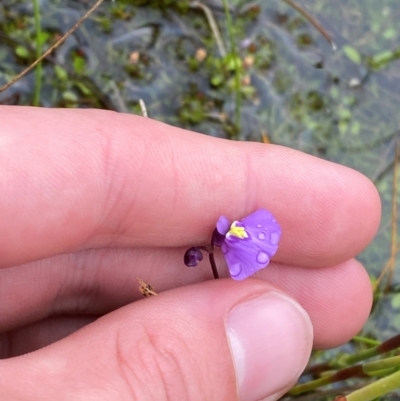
(365, 340)
(38, 70)
(375, 368)
(349, 359)
(386, 346)
(340, 375)
(376, 389)
(370, 367)
(309, 386)
(346, 359)
(235, 57)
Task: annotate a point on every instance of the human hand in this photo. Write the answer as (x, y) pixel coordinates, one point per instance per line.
(92, 200)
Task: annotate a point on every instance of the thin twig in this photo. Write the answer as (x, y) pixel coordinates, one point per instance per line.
(57, 44)
(387, 266)
(143, 108)
(394, 220)
(313, 22)
(213, 25)
(265, 137)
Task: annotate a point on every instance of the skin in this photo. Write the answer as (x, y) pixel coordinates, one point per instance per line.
(92, 200)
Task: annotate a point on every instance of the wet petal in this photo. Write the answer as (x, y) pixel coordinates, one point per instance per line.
(223, 225)
(220, 231)
(246, 255)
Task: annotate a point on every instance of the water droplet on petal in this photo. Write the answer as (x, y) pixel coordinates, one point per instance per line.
(262, 257)
(259, 225)
(261, 235)
(235, 269)
(274, 238)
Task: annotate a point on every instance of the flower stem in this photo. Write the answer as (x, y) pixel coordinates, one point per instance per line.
(210, 250)
(213, 264)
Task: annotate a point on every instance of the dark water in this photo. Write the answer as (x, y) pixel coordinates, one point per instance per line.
(341, 105)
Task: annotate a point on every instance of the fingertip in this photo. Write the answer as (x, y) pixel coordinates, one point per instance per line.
(349, 307)
(338, 299)
(330, 212)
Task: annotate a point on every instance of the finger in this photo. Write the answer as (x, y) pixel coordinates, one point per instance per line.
(77, 179)
(337, 299)
(40, 334)
(210, 341)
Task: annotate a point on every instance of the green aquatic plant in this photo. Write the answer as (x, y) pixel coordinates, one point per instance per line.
(39, 42)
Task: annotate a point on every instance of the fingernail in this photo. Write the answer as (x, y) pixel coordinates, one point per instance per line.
(270, 338)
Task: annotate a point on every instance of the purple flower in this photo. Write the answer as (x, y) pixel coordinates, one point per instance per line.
(245, 43)
(248, 244)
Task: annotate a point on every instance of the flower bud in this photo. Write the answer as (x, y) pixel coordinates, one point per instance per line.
(192, 257)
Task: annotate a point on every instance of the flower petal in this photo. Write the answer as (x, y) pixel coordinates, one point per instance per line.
(223, 225)
(220, 231)
(245, 256)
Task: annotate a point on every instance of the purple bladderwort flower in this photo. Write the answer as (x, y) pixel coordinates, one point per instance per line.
(247, 245)
(245, 43)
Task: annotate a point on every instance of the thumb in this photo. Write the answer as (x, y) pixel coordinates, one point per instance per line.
(218, 340)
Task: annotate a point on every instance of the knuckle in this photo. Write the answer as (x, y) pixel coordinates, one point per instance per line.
(153, 368)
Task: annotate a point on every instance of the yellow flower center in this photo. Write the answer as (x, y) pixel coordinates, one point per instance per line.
(238, 232)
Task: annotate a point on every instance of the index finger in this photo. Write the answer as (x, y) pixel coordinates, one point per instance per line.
(76, 179)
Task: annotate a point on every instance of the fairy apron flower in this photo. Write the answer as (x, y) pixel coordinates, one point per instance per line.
(247, 244)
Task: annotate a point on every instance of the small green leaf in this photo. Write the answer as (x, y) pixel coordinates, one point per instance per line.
(217, 80)
(355, 127)
(61, 73)
(383, 58)
(232, 62)
(343, 126)
(79, 64)
(69, 96)
(43, 36)
(352, 54)
(396, 301)
(248, 90)
(344, 114)
(22, 52)
(390, 33)
(83, 88)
